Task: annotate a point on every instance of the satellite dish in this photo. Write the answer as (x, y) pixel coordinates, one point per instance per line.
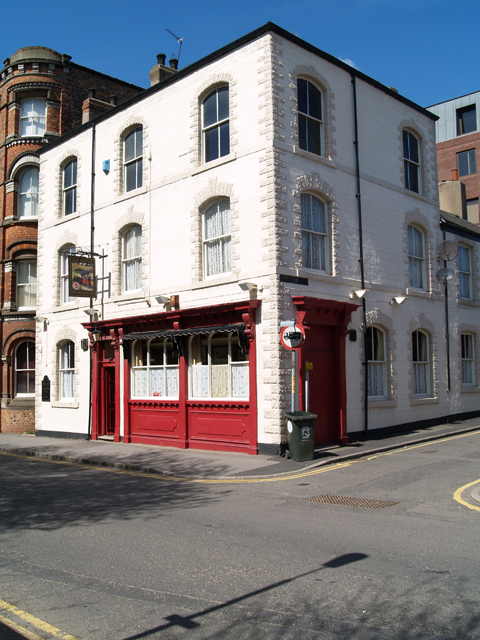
(445, 274)
(448, 250)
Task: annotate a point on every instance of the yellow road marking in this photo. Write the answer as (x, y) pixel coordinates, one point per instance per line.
(25, 633)
(280, 478)
(35, 622)
(458, 495)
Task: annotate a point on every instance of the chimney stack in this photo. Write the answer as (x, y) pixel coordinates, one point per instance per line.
(160, 71)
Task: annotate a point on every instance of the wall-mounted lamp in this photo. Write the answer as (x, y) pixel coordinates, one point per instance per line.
(96, 334)
(398, 299)
(162, 299)
(359, 293)
(41, 319)
(247, 286)
(93, 313)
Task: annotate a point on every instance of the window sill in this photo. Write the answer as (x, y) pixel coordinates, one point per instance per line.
(381, 403)
(14, 220)
(131, 194)
(421, 293)
(64, 404)
(129, 297)
(466, 302)
(313, 156)
(415, 402)
(70, 216)
(469, 389)
(215, 163)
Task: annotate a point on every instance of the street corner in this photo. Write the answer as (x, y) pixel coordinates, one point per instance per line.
(469, 495)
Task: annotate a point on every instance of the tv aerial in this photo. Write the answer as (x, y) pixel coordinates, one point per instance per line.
(448, 250)
(179, 40)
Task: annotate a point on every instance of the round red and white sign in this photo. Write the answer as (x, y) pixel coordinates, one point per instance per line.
(75, 286)
(292, 337)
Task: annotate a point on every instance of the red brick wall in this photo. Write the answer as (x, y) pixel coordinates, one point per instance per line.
(447, 160)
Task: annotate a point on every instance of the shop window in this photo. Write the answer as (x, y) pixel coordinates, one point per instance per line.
(466, 120)
(66, 372)
(376, 362)
(416, 257)
(411, 161)
(314, 233)
(218, 367)
(466, 163)
(70, 188)
(468, 360)
(421, 364)
(217, 239)
(132, 259)
(65, 296)
(465, 271)
(310, 121)
(154, 369)
(216, 125)
(33, 117)
(133, 159)
(25, 369)
(26, 284)
(28, 194)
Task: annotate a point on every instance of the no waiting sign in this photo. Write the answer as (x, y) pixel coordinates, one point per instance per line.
(292, 337)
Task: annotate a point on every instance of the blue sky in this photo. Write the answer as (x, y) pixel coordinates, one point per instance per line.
(424, 48)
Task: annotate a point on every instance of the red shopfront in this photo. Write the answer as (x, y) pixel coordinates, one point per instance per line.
(189, 378)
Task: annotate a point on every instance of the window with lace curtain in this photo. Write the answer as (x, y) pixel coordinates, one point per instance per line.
(26, 284)
(65, 296)
(376, 363)
(28, 193)
(468, 360)
(132, 259)
(421, 364)
(33, 117)
(66, 357)
(218, 368)
(416, 257)
(216, 239)
(314, 233)
(25, 369)
(154, 369)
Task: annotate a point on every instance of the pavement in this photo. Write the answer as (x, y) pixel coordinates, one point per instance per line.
(193, 464)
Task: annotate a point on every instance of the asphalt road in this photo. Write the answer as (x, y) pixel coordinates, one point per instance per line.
(108, 555)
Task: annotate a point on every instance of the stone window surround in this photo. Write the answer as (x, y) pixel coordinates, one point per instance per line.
(376, 318)
(127, 127)
(424, 170)
(64, 335)
(473, 331)
(130, 219)
(474, 279)
(416, 219)
(69, 155)
(426, 326)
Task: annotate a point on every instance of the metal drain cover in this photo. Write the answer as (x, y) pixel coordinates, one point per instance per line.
(365, 503)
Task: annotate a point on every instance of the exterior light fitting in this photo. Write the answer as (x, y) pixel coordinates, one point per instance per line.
(41, 319)
(398, 299)
(247, 286)
(96, 334)
(359, 293)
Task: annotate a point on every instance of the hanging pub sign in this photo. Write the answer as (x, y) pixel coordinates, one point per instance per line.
(292, 337)
(81, 277)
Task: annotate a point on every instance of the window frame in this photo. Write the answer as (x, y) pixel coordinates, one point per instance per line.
(134, 259)
(465, 272)
(309, 119)
(135, 161)
(414, 259)
(467, 343)
(32, 193)
(33, 118)
(460, 121)
(374, 349)
(65, 297)
(29, 370)
(148, 367)
(421, 365)
(28, 282)
(230, 364)
(66, 368)
(411, 162)
(310, 234)
(222, 240)
(69, 191)
(220, 125)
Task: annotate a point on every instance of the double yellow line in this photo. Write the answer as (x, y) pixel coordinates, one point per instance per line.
(33, 621)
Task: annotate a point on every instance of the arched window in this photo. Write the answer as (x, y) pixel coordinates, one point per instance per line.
(411, 155)
(28, 194)
(66, 370)
(376, 362)
(217, 239)
(416, 257)
(65, 296)
(33, 117)
(70, 188)
(468, 360)
(26, 284)
(215, 124)
(421, 364)
(154, 369)
(218, 367)
(310, 120)
(314, 233)
(132, 259)
(25, 369)
(133, 159)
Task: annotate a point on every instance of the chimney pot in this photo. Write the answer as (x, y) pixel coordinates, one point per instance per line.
(91, 93)
(161, 58)
(173, 62)
(454, 174)
(113, 100)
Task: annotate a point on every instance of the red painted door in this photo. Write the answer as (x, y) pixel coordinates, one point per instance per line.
(107, 426)
(321, 349)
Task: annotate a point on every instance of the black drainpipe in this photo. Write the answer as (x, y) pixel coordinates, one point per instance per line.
(361, 261)
(92, 251)
(447, 328)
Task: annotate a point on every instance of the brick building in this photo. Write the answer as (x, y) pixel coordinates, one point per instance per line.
(458, 139)
(43, 94)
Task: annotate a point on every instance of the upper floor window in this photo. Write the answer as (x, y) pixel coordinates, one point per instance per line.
(465, 271)
(421, 364)
(26, 284)
(66, 371)
(133, 159)
(376, 360)
(218, 367)
(416, 257)
(466, 120)
(217, 239)
(468, 360)
(310, 121)
(33, 112)
(411, 156)
(466, 163)
(154, 369)
(314, 233)
(65, 296)
(25, 369)
(70, 187)
(132, 259)
(215, 125)
(28, 194)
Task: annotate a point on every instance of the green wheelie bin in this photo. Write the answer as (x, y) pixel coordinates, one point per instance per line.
(301, 434)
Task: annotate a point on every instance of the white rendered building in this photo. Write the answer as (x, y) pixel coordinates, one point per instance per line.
(267, 182)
